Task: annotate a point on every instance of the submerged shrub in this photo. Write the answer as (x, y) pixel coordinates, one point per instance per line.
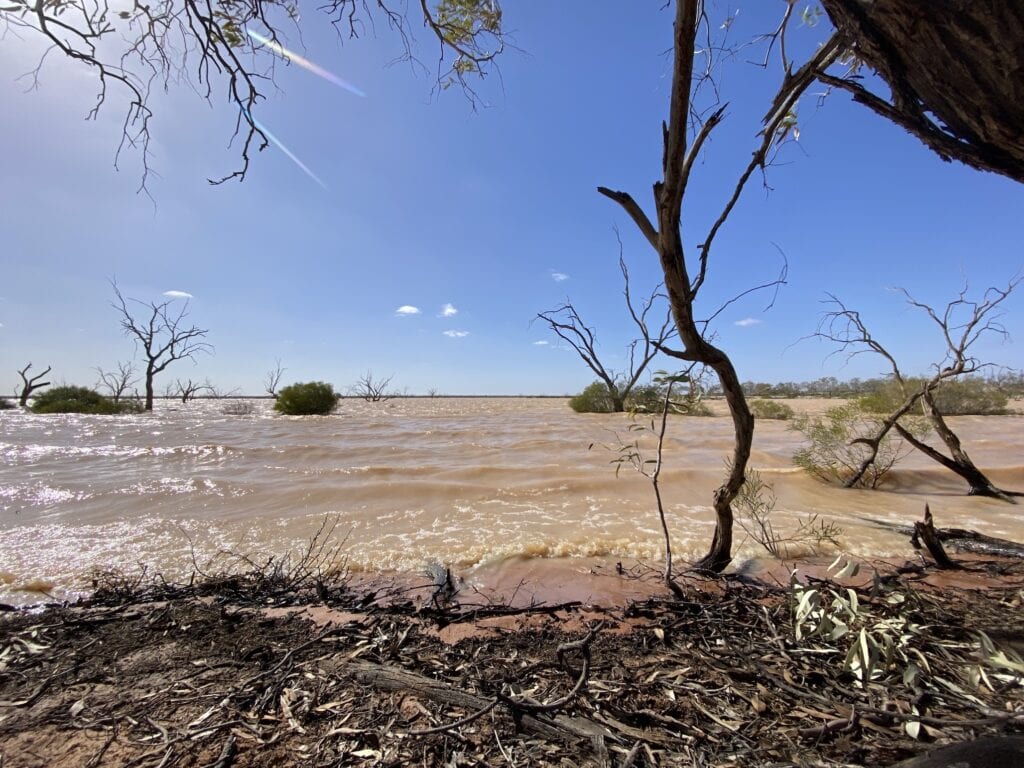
(5, 404)
(72, 399)
(312, 398)
(769, 409)
(239, 408)
(834, 453)
(596, 398)
(645, 398)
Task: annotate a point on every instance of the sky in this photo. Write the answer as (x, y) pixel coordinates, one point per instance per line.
(403, 232)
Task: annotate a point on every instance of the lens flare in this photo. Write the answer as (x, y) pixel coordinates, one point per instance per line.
(283, 148)
(316, 69)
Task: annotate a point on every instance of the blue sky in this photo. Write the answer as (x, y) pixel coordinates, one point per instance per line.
(492, 213)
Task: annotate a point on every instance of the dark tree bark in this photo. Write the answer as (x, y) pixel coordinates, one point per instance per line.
(30, 384)
(955, 70)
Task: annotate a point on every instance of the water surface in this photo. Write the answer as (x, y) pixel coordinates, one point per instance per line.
(468, 482)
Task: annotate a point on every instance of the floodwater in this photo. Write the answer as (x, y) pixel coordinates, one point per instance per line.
(475, 483)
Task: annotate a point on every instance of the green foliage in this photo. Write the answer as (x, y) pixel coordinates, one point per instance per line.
(877, 646)
(753, 508)
(833, 453)
(594, 399)
(972, 396)
(313, 398)
(645, 398)
(72, 399)
(769, 409)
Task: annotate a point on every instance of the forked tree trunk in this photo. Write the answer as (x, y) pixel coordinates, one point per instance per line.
(955, 69)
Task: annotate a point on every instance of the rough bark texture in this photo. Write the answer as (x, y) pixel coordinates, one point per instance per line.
(962, 61)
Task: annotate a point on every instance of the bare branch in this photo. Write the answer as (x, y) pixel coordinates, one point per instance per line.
(30, 384)
(161, 334)
(371, 389)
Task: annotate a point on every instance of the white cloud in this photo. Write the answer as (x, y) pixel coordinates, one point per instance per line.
(540, 343)
(456, 334)
(448, 310)
(747, 322)
(558, 276)
(407, 310)
(177, 295)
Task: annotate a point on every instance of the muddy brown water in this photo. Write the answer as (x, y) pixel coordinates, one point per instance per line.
(495, 487)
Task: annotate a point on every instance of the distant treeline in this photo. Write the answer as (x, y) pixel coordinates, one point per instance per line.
(1009, 383)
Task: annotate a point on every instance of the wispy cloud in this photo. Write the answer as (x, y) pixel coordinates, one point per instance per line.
(747, 322)
(407, 310)
(177, 295)
(448, 310)
(456, 334)
(558, 277)
(540, 343)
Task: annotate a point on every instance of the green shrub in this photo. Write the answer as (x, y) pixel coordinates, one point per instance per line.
(71, 399)
(594, 399)
(971, 397)
(313, 398)
(953, 397)
(832, 453)
(769, 409)
(646, 398)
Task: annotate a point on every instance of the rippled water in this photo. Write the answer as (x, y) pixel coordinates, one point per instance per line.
(465, 481)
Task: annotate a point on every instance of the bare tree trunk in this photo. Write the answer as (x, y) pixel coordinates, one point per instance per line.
(954, 69)
(149, 389)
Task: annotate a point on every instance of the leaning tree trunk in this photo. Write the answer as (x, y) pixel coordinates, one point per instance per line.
(955, 69)
(959, 461)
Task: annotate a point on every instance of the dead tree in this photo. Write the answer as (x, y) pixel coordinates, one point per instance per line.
(116, 382)
(273, 378)
(30, 384)
(952, 70)
(567, 324)
(161, 334)
(961, 324)
(684, 135)
(188, 389)
(372, 390)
